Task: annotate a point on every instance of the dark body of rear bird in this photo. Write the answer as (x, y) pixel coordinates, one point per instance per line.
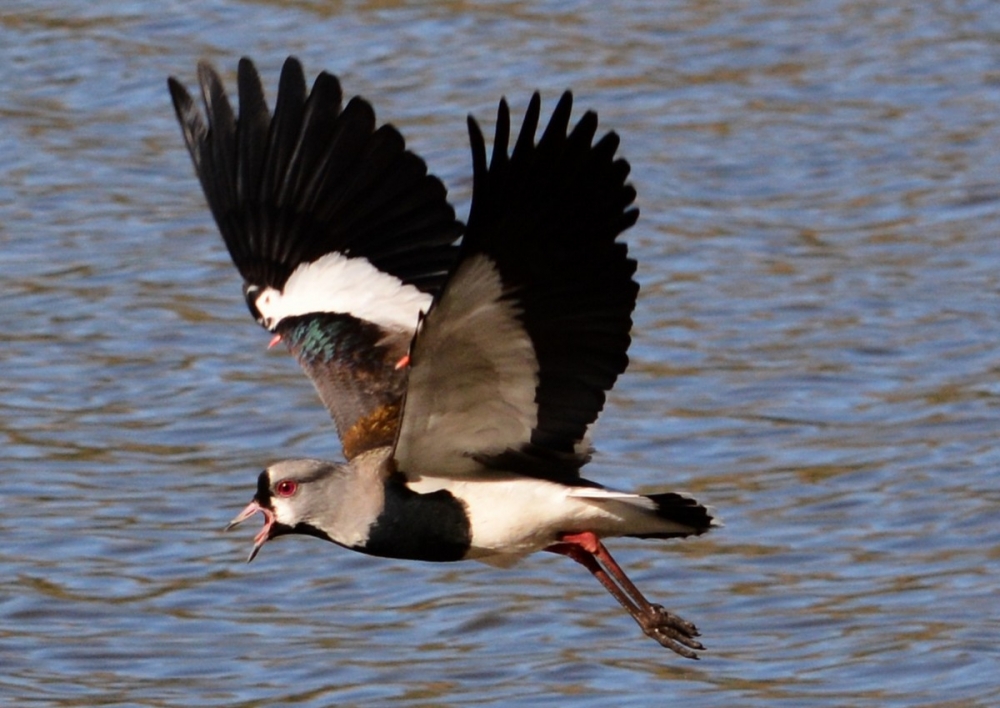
(462, 375)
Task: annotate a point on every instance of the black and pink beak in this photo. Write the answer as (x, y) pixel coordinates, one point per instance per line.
(265, 533)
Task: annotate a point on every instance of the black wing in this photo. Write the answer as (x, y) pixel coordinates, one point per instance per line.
(312, 185)
(513, 361)
(313, 179)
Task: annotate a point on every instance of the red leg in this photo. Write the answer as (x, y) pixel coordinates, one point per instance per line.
(588, 561)
(669, 630)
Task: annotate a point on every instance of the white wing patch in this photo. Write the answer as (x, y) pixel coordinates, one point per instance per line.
(353, 286)
(473, 378)
(602, 493)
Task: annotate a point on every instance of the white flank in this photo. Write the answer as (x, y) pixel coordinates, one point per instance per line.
(512, 516)
(352, 286)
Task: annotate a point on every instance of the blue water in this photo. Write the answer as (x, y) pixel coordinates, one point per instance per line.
(815, 354)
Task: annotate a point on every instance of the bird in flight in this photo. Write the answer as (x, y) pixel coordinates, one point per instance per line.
(462, 365)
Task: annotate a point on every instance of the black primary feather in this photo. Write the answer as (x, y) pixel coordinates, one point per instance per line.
(548, 215)
(313, 179)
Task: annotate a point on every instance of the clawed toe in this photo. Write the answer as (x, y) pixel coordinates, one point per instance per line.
(662, 618)
(671, 631)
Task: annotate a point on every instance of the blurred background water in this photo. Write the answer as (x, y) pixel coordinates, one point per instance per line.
(815, 354)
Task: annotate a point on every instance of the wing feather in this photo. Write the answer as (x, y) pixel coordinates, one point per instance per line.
(472, 380)
(312, 179)
(558, 288)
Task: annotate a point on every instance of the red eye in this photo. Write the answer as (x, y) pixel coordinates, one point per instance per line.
(286, 487)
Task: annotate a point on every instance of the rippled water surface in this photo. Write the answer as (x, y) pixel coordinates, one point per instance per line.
(815, 354)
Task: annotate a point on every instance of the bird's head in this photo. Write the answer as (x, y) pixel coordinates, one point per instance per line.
(295, 496)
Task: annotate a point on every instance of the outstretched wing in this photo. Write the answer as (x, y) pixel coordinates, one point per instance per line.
(341, 236)
(512, 363)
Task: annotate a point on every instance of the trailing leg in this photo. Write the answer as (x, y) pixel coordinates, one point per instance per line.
(669, 630)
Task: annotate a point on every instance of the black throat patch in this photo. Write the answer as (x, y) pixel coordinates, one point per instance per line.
(428, 527)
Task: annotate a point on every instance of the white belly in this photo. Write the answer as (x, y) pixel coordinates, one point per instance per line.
(513, 516)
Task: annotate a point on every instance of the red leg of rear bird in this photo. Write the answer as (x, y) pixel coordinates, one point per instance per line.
(669, 630)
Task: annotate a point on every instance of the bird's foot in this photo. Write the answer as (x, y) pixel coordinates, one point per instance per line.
(670, 631)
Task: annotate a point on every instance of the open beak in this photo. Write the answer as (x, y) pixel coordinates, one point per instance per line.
(264, 534)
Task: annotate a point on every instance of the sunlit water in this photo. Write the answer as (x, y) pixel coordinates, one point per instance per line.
(815, 354)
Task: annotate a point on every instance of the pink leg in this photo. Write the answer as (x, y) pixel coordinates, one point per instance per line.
(669, 630)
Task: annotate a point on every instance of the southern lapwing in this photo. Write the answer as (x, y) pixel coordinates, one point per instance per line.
(508, 367)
